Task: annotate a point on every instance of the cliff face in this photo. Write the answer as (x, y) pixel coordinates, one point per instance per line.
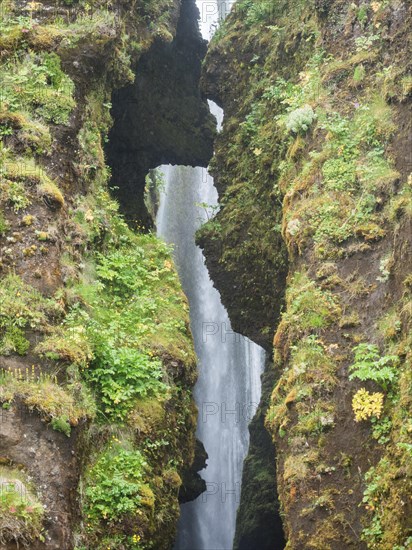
(313, 168)
(161, 118)
(96, 356)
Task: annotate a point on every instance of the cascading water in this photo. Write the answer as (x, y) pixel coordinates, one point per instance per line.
(230, 366)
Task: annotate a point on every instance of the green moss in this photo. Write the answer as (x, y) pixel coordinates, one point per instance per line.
(43, 393)
(61, 424)
(119, 326)
(22, 514)
(337, 189)
(4, 226)
(309, 378)
(308, 307)
(22, 306)
(388, 484)
(23, 170)
(298, 467)
(13, 341)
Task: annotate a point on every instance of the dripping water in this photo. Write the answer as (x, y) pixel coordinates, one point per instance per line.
(228, 389)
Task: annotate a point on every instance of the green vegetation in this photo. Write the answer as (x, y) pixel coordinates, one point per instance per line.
(133, 315)
(13, 341)
(369, 365)
(300, 120)
(301, 407)
(356, 175)
(105, 346)
(388, 484)
(122, 375)
(21, 306)
(312, 150)
(21, 513)
(308, 308)
(21, 171)
(62, 406)
(310, 375)
(115, 484)
(36, 84)
(3, 225)
(15, 194)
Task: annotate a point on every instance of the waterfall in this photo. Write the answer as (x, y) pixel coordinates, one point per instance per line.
(228, 390)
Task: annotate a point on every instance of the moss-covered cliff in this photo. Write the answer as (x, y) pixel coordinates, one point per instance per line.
(313, 167)
(96, 356)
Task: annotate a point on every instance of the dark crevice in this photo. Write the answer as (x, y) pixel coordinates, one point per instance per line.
(258, 523)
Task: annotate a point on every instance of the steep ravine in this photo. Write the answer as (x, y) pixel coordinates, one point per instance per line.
(313, 170)
(311, 253)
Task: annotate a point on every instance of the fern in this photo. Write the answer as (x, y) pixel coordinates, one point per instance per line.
(369, 365)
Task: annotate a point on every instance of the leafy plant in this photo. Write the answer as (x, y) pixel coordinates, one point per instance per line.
(381, 428)
(364, 43)
(61, 424)
(366, 405)
(256, 12)
(369, 365)
(15, 193)
(120, 375)
(300, 120)
(115, 484)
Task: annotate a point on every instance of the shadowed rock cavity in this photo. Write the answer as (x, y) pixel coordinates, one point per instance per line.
(192, 484)
(161, 118)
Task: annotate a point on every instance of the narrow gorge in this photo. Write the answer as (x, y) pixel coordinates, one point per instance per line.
(205, 275)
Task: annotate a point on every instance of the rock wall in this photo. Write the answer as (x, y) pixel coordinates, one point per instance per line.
(97, 363)
(161, 117)
(313, 168)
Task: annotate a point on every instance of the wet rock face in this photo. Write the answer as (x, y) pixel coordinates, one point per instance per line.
(161, 118)
(258, 521)
(193, 485)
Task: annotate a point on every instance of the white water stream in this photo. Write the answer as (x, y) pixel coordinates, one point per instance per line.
(230, 366)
